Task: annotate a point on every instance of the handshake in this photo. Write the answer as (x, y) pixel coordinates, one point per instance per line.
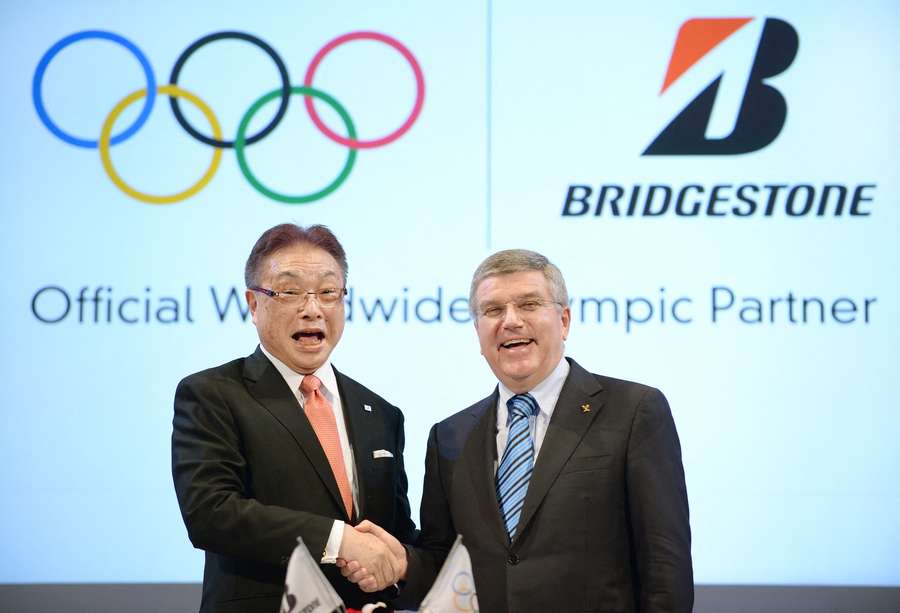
(371, 557)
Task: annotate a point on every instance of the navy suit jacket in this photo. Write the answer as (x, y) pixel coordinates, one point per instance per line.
(251, 476)
(605, 522)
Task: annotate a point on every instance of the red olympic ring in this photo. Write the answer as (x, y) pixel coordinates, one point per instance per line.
(384, 140)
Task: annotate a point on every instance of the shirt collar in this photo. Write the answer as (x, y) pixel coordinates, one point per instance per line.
(325, 374)
(546, 393)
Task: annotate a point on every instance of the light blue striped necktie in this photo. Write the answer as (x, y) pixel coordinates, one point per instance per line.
(517, 463)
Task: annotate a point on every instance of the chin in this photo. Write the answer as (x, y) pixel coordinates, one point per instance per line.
(520, 370)
(517, 378)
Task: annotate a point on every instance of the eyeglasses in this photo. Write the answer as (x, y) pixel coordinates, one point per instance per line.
(328, 297)
(523, 307)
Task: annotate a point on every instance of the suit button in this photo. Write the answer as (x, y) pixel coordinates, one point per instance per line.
(512, 560)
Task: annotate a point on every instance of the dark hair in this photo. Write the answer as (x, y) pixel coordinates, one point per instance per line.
(287, 235)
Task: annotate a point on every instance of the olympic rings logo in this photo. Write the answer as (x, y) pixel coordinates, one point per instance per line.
(465, 599)
(242, 140)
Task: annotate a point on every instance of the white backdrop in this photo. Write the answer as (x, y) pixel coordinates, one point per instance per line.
(788, 422)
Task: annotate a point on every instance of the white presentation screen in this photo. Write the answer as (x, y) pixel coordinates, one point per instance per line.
(719, 183)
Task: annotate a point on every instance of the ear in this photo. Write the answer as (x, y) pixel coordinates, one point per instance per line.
(251, 302)
(566, 320)
(475, 324)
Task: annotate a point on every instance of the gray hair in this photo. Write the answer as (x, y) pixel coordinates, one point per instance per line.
(519, 260)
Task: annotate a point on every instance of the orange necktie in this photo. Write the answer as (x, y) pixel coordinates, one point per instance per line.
(321, 416)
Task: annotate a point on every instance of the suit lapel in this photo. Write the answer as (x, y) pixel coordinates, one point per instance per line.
(360, 434)
(567, 427)
(268, 387)
(481, 450)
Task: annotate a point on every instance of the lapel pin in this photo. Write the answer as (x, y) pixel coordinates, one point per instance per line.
(586, 408)
(367, 407)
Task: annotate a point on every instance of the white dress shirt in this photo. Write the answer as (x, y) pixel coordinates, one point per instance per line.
(546, 393)
(329, 389)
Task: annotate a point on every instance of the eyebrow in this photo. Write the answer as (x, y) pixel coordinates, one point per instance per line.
(287, 274)
(528, 296)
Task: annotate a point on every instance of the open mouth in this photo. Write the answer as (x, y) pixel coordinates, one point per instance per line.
(516, 343)
(313, 337)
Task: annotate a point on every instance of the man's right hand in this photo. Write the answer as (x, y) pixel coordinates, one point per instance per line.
(373, 558)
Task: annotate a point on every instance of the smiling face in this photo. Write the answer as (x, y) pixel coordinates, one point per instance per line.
(300, 335)
(521, 346)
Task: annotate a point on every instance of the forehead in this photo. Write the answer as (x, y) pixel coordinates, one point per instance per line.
(513, 285)
(302, 261)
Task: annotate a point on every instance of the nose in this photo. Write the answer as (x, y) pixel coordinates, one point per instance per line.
(310, 308)
(511, 317)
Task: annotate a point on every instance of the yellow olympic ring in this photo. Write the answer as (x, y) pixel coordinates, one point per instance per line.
(175, 92)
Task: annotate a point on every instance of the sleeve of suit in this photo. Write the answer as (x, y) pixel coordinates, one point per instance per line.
(212, 482)
(658, 505)
(405, 528)
(437, 535)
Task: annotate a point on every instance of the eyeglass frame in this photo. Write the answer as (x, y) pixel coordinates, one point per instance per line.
(517, 307)
(288, 295)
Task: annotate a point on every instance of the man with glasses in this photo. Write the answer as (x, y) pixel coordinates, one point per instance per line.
(567, 487)
(281, 444)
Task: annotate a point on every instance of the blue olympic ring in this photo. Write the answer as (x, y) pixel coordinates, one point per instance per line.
(65, 42)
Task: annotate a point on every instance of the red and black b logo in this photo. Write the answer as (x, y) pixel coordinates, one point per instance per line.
(762, 110)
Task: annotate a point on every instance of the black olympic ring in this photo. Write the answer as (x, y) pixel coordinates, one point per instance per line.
(282, 71)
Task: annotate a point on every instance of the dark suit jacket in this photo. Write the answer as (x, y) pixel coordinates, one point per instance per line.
(605, 522)
(251, 477)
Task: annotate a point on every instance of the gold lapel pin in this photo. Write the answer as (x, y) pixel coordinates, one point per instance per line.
(586, 408)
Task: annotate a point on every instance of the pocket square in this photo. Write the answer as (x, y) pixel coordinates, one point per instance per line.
(382, 453)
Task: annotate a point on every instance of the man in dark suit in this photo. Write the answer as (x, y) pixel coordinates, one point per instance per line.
(281, 445)
(567, 487)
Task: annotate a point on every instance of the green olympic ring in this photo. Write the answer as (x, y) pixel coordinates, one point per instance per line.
(241, 139)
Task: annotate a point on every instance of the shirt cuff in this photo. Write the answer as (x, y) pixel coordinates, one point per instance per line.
(333, 546)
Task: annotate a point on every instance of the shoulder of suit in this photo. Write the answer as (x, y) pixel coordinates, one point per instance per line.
(452, 434)
(468, 417)
(365, 394)
(613, 382)
(631, 391)
(578, 372)
(228, 371)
